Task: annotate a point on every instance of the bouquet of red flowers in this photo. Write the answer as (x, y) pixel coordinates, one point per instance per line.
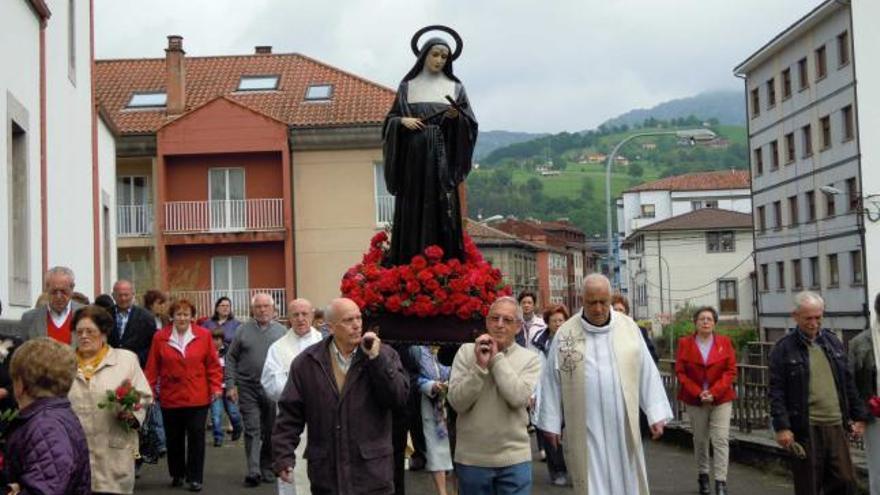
(874, 406)
(125, 399)
(427, 286)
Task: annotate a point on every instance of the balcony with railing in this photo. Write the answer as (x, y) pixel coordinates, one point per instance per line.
(245, 215)
(384, 209)
(134, 220)
(241, 300)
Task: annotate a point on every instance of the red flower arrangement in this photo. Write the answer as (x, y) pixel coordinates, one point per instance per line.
(427, 286)
(125, 399)
(874, 406)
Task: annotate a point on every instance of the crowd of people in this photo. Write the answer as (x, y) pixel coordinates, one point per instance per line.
(102, 388)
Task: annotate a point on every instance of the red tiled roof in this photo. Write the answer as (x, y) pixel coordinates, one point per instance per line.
(700, 181)
(354, 101)
(702, 219)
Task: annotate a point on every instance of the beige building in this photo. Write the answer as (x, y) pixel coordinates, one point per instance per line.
(516, 258)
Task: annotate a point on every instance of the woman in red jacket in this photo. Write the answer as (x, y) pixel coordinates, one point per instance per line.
(184, 366)
(706, 369)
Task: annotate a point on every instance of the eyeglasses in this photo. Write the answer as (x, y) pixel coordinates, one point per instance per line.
(83, 332)
(300, 315)
(503, 319)
(351, 320)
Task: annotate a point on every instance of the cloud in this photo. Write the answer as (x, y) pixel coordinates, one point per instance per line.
(530, 66)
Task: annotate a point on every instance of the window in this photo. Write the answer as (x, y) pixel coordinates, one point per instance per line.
(147, 100)
(756, 103)
(786, 84)
(698, 205)
(777, 215)
(257, 83)
(71, 40)
(792, 211)
(720, 242)
(771, 93)
(848, 123)
(821, 66)
(774, 155)
(852, 194)
(134, 213)
(780, 275)
(825, 127)
(858, 274)
(797, 281)
(762, 221)
(814, 272)
(829, 205)
(789, 148)
(384, 199)
(807, 135)
(833, 275)
(759, 162)
(647, 211)
(803, 74)
(227, 199)
(765, 277)
(19, 222)
(319, 92)
(811, 206)
(842, 49)
(229, 277)
(727, 300)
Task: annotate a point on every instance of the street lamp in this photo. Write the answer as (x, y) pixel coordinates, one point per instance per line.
(694, 135)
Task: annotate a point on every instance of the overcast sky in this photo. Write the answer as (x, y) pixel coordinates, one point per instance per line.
(528, 65)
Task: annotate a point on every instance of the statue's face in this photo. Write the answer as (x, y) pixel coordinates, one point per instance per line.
(437, 57)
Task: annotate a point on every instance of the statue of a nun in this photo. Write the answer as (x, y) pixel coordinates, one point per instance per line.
(429, 136)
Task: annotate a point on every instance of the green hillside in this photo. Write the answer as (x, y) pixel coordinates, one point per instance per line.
(510, 182)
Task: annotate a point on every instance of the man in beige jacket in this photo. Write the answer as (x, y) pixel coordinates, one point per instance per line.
(490, 386)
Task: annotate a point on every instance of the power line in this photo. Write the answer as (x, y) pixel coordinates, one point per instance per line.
(728, 272)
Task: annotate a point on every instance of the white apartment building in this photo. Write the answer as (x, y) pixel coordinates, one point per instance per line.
(662, 199)
(58, 192)
(808, 181)
(699, 258)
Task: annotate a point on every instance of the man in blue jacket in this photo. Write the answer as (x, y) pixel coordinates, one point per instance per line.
(813, 402)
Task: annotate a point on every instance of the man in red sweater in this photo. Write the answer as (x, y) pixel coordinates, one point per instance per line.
(53, 319)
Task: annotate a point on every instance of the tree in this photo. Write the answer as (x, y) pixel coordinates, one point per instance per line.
(635, 170)
(587, 188)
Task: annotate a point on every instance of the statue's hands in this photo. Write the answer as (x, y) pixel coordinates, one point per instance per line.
(412, 123)
(452, 113)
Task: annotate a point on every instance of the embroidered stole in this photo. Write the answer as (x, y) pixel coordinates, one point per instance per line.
(626, 346)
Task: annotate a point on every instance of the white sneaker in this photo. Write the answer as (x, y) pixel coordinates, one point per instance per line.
(560, 480)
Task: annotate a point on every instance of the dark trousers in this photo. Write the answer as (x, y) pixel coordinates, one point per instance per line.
(258, 416)
(185, 438)
(398, 440)
(555, 458)
(828, 468)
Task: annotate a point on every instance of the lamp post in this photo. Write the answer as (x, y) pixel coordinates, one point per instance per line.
(693, 134)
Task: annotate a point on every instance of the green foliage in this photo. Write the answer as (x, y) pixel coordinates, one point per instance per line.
(635, 170)
(682, 325)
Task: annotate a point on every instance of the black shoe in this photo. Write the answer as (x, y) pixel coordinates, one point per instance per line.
(416, 463)
(176, 482)
(252, 480)
(703, 481)
(720, 487)
(268, 477)
(195, 486)
(218, 443)
(236, 434)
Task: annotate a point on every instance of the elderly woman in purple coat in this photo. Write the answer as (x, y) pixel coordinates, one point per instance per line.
(50, 450)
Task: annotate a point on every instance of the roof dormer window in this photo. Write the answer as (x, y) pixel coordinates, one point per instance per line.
(144, 99)
(319, 92)
(257, 83)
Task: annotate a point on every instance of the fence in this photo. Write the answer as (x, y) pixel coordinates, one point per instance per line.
(134, 220)
(224, 215)
(241, 300)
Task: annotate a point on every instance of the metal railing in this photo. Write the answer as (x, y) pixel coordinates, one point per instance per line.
(241, 300)
(224, 215)
(751, 409)
(134, 220)
(384, 209)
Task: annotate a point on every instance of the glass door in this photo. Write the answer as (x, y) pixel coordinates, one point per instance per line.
(229, 277)
(226, 195)
(133, 205)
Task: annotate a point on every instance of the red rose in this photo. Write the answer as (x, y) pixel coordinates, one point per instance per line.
(432, 285)
(419, 262)
(434, 253)
(441, 270)
(425, 275)
(393, 303)
(463, 313)
(406, 273)
(439, 295)
(388, 282)
(447, 308)
(379, 239)
(874, 406)
(413, 287)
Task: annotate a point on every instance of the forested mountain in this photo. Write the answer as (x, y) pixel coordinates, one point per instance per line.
(727, 107)
(489, 141)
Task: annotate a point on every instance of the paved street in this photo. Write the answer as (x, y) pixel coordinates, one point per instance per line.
(670, 469)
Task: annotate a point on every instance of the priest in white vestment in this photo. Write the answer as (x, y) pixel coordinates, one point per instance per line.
(281, 354)
(598, 375)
